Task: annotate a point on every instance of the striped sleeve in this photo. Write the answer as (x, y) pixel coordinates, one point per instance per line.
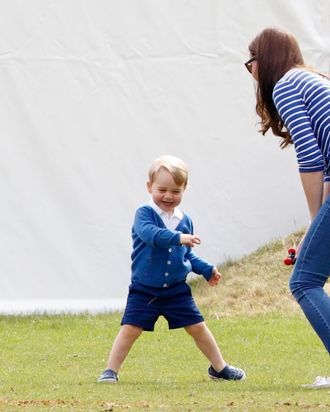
(292, 109)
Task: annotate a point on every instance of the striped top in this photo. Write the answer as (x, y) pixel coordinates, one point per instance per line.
(302, 99)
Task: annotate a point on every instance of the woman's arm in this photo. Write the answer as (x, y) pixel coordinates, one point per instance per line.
(326, 191)
(316, 192)
(313, 187)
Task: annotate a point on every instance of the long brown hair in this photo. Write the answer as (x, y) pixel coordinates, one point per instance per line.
(276, 53)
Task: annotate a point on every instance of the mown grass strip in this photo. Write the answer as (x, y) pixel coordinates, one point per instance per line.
(52, 363)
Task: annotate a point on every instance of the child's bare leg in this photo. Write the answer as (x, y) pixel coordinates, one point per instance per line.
(122, 345)
(206, 343)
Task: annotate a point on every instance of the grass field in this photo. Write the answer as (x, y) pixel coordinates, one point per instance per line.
(52, 362)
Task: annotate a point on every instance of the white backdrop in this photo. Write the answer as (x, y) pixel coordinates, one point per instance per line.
(91, 91)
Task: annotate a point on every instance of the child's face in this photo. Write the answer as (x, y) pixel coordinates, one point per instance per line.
(165, 192)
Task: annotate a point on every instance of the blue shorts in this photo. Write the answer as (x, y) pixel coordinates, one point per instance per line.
(145, 304)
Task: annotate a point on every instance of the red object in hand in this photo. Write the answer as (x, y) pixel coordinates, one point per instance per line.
(291, 259)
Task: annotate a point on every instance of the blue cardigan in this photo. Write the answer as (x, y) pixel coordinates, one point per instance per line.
(158, 259)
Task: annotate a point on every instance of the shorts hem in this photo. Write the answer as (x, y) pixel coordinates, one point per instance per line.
(185, 324)
(145, 328)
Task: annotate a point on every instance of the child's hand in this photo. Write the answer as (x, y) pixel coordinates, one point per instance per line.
(216, 276)
(189, 240)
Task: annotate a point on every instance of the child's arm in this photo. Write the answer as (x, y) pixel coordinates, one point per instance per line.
(199, 265)
(146, 228)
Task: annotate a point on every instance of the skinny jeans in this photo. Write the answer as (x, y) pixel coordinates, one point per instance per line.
(311, 272)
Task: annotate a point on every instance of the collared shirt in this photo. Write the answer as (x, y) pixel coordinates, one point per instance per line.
(171, 221)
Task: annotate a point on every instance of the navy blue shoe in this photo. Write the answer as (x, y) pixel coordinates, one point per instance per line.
(108, 376)
(228, 373)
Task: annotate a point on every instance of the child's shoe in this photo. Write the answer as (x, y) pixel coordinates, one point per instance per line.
(108, 376)
(228, 373)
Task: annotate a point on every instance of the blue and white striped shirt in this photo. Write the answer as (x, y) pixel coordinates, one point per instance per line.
(302, 99)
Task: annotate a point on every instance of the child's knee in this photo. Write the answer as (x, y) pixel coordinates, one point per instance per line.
(197, 328)
(131, 331)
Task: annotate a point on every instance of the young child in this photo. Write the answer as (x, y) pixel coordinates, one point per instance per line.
(162, 257)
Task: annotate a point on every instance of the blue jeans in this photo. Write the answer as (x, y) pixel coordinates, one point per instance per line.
(311, 272)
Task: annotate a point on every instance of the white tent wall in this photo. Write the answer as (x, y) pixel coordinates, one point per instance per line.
(93, 91)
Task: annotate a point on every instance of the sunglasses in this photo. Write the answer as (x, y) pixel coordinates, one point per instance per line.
(248, 64)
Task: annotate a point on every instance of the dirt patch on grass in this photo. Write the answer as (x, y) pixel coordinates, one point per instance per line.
(31, 403)
(66, 405)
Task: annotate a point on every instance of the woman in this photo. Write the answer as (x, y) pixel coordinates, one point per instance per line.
(293, 100)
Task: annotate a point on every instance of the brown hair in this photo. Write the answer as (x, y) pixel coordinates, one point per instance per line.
(276, 52)
(175, 166)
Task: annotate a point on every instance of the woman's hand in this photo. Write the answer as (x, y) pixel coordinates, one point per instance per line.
(316, 193)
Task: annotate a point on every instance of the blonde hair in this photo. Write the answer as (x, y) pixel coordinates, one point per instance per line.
(175, 166)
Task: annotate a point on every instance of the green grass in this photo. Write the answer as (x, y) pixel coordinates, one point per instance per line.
(52, 362)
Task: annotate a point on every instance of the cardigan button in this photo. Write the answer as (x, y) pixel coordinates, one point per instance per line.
(165, 285)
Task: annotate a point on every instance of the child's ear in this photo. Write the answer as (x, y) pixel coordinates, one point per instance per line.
(149, 186)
